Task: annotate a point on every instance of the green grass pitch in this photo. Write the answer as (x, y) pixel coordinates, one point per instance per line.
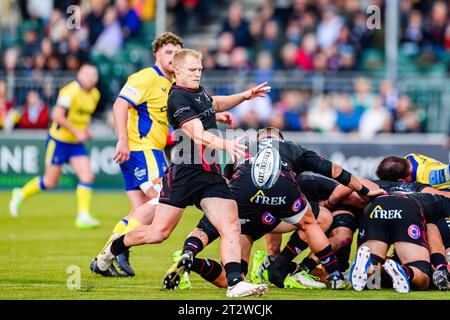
(37, 249)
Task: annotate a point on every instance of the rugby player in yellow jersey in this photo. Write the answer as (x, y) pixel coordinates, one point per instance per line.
(71, 117)
(415, 168)
(140, 118)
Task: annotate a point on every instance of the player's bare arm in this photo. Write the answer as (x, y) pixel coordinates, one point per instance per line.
(194, 129)
(59, 116)
(223, 103)
(120, 111)
(354, 183)
(226, 118)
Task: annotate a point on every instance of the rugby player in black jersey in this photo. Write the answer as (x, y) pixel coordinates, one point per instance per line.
(408, 222)
(194, 176)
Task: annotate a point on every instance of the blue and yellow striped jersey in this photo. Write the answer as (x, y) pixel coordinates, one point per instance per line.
(147, 91)
(80, 105)
(429, 171)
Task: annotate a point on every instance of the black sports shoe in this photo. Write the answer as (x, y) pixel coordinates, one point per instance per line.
(123, 262)
(441, 279)
(110, 272)
(172, 277)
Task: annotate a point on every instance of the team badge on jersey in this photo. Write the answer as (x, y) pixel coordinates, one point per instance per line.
(268, 218)
(414, 231)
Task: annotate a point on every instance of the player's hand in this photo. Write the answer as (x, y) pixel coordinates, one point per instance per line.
(81, 136)
(376, 192)
(258, 91)
(88, 133)
(227, 118)
(235, 148)
(122, 153)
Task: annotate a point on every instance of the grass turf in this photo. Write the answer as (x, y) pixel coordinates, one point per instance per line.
(38, 249)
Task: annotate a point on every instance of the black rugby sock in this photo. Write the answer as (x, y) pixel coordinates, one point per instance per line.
(233, 271)
(438, 261)
(208, 269)
(193, 244)
(328, 259)
(308, 263)
(118, 246)
(293, 247)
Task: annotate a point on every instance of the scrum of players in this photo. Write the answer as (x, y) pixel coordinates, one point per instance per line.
(410, 216)
(402, 218)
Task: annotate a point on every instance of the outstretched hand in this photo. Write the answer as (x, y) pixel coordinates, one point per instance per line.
(258, 91)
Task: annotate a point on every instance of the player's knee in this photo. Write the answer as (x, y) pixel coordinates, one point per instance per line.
(50, 183)
(87, 177)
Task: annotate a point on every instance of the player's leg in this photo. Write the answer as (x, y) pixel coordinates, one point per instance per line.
(223, 214)
(200, 237)
(340, 236)
(319, 244)
(414, 270)
(81, 166)
(54, 159)
(440, 276)
(165, 220)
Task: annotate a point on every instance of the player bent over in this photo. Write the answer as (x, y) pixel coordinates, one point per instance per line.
(194, 179)
(400, 220)
(71, 117)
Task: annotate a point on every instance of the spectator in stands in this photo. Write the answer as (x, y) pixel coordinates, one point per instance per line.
(110, 39)
(7, 112)
(128, 18)
(363, 96)
(412, 36)
(225, 45)
(405, 119)
(389, 95)
(348, 115)
(56, 29)
(305, 55)
(10, 60)
(94, 20)
(288, 57)
(145, 9)
(239, 60)
(35, 114)
(255, 113)
(271, 40)
(434, 29)
(322, 116)
(30, 48)
(277, 119)
(238, 26)
(294, 108)
(329, 27)
(375, 120)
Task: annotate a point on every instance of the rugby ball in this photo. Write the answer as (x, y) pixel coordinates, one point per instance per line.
(266, 168)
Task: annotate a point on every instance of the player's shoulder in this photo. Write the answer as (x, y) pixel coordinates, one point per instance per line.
(72, 86)
(95, 93)
(181, 95)
(144, 75)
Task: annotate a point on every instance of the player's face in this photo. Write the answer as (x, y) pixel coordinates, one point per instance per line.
(164, 57)
(88, 77)
(189, 72)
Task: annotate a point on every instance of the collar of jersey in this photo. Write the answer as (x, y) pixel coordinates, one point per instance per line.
(186, 89)
(159, 72)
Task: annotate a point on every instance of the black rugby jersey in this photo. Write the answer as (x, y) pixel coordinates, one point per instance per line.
(400, 187)
(185, 104)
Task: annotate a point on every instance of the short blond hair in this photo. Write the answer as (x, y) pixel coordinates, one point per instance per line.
(166, 38)
(183, 53)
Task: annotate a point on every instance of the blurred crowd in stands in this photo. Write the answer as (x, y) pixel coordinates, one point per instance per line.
(306, 35)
